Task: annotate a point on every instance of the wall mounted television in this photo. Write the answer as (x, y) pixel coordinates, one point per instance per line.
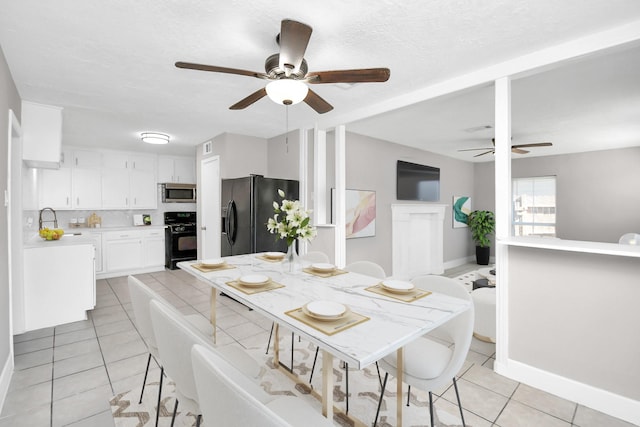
(417, 182)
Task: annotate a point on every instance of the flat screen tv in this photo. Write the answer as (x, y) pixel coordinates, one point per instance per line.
(417, 182)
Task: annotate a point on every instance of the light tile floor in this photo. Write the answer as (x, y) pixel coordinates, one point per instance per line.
(65, 376)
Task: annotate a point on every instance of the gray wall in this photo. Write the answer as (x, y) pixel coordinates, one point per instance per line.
(9, 99)
(597, 193)
(576, 315)
(371, 165)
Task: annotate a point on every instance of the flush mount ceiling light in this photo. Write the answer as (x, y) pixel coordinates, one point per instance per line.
(287, 91)
(154, 138)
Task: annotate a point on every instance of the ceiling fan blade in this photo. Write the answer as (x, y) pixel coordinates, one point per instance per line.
(316, 102)
(215, 69)
(294, 38)
(362, 75)
(482, 154)
(537, 144)
(244, 103)
(518, 150)
(476, 149)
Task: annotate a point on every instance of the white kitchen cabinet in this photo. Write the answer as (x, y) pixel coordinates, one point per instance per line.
(87, 159)
(176, 169)
(41, 135)
(153, 248)
(143, 192)
(86, 188)
(123, 250)
(55, 188)
(143, 163)
(96, 238)
(128, 181)
(115, 188)
(59, 284)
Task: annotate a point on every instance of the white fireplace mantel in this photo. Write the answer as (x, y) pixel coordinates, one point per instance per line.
(417, 240)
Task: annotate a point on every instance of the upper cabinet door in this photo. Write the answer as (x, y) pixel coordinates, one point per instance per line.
(176, 169)
(87, 159)
(113, 160)
(143, 163)
(184, 169)
(55, 188)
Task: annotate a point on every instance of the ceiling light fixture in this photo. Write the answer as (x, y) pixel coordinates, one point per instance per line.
(154, 138)
(287, 91)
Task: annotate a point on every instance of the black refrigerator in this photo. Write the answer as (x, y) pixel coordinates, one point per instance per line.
(247, 204)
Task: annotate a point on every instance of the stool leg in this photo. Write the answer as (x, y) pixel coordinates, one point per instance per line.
(159, 396)
(431, 408)
(455, 386)
(408, 395)
(313, 367)
(269, 342)
(144, 382)
(384, 384)
(346, 376)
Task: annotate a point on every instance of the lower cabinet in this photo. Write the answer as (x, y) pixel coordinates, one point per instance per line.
(132, 251)
(59, 284)
(123, 250)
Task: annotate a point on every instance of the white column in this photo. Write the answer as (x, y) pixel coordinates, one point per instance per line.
(303, 170)
(503, 214)
(320, 176)
(340, 156)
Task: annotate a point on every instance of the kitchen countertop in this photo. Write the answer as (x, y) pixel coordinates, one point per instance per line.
(38, 242)
(80, 235)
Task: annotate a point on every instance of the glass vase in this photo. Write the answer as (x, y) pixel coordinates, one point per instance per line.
(291, 260)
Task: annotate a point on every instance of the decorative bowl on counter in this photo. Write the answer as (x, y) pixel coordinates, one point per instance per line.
(51, 234)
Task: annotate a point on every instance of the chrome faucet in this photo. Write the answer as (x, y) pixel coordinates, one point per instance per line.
(55, 218)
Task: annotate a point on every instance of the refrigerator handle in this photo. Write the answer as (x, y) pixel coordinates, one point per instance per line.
(225, 224)
(232, 217)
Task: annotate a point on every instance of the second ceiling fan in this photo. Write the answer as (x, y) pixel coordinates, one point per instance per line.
(518, 149)
(287, 71)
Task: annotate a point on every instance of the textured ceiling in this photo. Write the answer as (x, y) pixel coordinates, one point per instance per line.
(110, 64)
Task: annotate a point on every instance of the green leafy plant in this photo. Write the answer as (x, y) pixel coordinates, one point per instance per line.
(482, 224)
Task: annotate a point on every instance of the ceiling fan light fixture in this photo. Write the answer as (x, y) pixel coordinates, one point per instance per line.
(154, 138)
(287, 91)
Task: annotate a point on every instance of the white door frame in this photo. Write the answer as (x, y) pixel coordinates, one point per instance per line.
(209, 222)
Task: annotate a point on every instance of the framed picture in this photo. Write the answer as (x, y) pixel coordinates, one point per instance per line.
(461, 210)
(360, 215)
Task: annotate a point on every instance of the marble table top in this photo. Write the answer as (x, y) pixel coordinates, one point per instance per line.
(392, 323)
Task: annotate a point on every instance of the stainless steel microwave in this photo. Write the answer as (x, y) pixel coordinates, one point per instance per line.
(178, 193)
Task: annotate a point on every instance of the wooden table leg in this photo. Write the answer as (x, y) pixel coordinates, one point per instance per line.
(212, 317)
(327, 384)
(399, 376)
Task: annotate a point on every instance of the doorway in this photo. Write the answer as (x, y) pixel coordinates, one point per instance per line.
(209, 204)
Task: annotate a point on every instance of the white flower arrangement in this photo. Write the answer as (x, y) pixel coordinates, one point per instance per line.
(291, 221)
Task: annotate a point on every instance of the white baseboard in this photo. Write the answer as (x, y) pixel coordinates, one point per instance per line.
(5, 379)
(458, 262)
(595, 398)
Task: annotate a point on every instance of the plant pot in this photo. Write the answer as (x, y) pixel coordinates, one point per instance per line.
(482, 255)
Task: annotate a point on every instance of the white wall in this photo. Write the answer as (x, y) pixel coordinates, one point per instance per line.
(597, 193)
(9, 99)
(371, 165)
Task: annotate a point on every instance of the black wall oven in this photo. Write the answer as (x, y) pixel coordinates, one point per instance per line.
(180, 238)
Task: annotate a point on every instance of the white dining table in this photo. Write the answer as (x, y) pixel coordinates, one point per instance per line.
(392, 323)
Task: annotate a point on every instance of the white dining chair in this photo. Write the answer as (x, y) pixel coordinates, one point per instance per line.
(428, 364)
(315, 256)
(367, 268)
(141, 295)
(175, 337)
(230, 399)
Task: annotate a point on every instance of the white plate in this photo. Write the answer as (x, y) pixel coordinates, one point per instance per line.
(216, 262)
(326, 309)
(398, 286)
(274, 255)
(254, 280)
(323, 267)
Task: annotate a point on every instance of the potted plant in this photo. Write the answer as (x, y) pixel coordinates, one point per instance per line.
(482, 224)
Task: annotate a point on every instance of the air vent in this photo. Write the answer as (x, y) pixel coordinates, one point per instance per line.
(207, 148)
